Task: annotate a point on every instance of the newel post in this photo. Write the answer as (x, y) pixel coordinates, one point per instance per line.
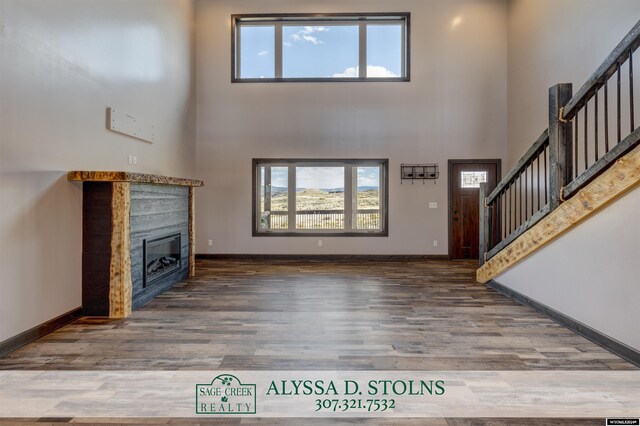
(560, 143)
(483, 242)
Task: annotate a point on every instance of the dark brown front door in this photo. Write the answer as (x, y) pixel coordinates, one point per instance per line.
(464, 203)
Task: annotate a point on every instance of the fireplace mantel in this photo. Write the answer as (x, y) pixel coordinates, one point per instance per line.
(116, 176)
(121, 211)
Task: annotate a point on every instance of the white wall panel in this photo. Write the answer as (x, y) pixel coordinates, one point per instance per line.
(591, 273)
(62, 63)
(454, 107)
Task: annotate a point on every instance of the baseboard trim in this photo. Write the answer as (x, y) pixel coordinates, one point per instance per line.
(326, 257)
(623, 351)
(38, 331)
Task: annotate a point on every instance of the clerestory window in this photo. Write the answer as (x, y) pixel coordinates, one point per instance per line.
(335, 47)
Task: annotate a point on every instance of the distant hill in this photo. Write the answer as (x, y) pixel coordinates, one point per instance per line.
(360, 188)
(332, 190)
(280, 189)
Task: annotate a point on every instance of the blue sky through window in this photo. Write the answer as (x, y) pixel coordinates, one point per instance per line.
(384, 50)
(369, 176)
(319, 51)
(280, 177)
(257, 58)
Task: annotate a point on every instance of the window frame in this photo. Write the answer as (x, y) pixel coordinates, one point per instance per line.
(282, 19)
(324, 162)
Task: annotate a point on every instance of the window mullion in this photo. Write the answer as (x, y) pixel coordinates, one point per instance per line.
(237, 48)
(348, 197)
(382, 194)
(267, 194)
(403, 49)
(291, 197)
(363, 50)
(277, 50)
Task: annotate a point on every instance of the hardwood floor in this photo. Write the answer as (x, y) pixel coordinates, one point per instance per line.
(416, 315)
(287, 315)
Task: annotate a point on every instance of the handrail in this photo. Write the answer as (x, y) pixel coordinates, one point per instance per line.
(590, 156)
(619, 55)
(531, 153)
(577, 148)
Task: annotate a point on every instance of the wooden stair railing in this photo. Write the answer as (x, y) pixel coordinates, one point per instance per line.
(622, 176)
(577, 147)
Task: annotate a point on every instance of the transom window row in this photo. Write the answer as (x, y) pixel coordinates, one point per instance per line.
(328, 48)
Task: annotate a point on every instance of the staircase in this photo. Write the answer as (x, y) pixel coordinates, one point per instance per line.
(587, 157)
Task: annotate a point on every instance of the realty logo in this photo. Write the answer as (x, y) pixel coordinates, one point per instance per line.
(225, 395)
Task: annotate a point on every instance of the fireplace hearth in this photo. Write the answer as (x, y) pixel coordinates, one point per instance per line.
(161, 256)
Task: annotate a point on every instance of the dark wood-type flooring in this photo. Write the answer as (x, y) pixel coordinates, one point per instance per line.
(284, 315)
(311, 315)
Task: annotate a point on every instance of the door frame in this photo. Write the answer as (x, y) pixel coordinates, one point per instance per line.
(496, 161)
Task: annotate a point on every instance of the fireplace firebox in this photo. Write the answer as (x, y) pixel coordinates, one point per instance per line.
(161, 257)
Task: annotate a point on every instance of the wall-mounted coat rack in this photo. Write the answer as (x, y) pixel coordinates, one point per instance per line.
(421, 172)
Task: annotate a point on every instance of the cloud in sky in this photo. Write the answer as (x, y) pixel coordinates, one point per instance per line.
(280, 176)
(368, 176)
(316, 29)
(320, 177)
(263, 53)
(312, 39)
(372, 71)
(305, 35)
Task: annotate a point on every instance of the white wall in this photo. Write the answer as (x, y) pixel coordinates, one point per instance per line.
(591, 273)
(62, 63)
(454, 107)
(556, 41)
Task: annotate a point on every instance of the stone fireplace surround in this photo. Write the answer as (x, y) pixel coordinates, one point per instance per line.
(121, 212)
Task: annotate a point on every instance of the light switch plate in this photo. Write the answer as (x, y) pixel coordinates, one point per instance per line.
(433, 205)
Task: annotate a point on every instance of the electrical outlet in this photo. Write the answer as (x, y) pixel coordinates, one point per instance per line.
(210, 242)
(319, 243)
(433, 205)
(135, 159)
(435, 243)
(130, 159)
